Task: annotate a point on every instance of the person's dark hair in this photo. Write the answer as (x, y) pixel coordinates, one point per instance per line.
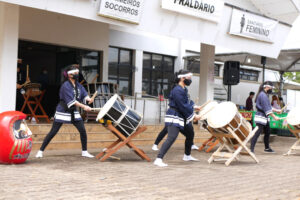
(251, 93)
(261, 87)
(280, 99)
(65, 73)
(180, 72)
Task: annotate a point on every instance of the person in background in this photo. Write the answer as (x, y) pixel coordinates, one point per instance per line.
(71, 94)
(264, 110)
(275, 102)
(43, 79)
(281, 102)
(249, 101)
(21, 79)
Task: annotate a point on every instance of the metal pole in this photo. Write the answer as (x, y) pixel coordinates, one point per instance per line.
(264, 68)
(229, 93)
(281, 84)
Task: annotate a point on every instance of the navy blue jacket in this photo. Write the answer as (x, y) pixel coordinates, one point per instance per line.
(264, 108)
(181, 108)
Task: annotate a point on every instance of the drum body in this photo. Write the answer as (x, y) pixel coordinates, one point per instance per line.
(15, 138)
(226, 115)
(33, 89)
(123, 117)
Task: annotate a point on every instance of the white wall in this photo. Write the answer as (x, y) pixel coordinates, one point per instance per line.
(156, 20)
(47, 27)
(9, 20)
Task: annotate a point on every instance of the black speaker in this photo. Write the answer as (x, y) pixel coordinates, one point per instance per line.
(263, 60)
(231, 75)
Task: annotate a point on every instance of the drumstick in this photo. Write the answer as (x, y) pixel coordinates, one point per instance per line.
(93, 97)
(27, 73)
(204, 104)
(94, 79)
(96, 109)
(284, 107)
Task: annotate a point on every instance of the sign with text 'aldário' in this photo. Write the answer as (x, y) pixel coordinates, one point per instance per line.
(205, 9)
(124, 10)
(252, 26)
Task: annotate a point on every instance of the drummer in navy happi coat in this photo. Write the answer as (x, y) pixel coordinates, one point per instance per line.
(179, 117)
(71, 94)
(264, 110)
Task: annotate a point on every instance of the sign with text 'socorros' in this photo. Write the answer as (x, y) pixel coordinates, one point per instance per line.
(124, 10)
(252, 26)
(205, 9)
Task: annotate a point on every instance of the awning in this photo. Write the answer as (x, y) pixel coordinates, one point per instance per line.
(282, 10)
(288, 85)
(287, 61)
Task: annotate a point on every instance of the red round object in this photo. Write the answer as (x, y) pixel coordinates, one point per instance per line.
(15, 143)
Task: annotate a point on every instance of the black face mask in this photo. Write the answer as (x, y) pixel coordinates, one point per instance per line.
(187, 82)
(75, 77)
(269, 91)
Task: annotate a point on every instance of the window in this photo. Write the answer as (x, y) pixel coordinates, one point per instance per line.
(247, 74)
(120, 69)
(194, 67)
(158, 74)
(90, 64)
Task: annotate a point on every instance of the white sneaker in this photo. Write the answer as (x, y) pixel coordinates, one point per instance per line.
(155, 148)
(195, 147)
(39, 154)
(189, 158)
(86, 154)
(160, 163)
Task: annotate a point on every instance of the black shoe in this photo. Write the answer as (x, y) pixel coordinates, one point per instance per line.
(269, 150)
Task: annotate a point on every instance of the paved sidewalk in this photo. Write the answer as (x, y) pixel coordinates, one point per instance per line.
(66, 175)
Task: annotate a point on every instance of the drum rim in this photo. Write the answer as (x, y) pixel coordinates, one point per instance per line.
(224, 122)
(107, 107)
(205, 115)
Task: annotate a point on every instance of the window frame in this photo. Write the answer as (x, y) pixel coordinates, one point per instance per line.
(118, 65)
(153, 83)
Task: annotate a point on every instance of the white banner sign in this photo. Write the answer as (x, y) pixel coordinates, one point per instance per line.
(124, 10)
(205, 9)
(252, 26)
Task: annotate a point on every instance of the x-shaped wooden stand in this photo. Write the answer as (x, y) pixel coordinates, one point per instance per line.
(37, 102)
(233, 150)
(295, 130)
(122, 141)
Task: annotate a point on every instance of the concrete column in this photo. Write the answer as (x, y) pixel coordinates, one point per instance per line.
(9, 33)
(206, 83)
(138, 74)
(179, 62)
(104, 76)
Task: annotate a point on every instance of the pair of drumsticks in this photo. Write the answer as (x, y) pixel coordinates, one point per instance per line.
(92, 99)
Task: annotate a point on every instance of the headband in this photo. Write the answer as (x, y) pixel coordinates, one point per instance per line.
(184, 75)
(73, 71)
(269, 86)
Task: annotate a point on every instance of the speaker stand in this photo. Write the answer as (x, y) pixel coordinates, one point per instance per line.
(229, 93)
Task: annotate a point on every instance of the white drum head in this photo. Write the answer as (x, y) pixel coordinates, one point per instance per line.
(293, 117)
(107, 107)
(204, 112)
(222, 114)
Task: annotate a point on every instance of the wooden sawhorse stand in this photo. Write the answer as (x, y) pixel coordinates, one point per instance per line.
(210, 144)
(122, 141)
(225, 138)
(295, 130)
(37, 102)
